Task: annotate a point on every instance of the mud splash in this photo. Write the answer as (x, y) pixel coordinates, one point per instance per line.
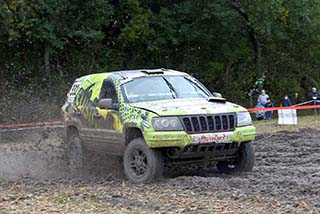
(41, 153)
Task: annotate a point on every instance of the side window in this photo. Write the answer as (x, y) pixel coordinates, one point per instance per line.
(108, 91)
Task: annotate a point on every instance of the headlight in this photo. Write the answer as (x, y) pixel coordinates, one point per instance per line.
(166, 124)
(243, 119)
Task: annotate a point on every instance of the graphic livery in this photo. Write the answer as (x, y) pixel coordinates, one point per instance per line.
(169, 110)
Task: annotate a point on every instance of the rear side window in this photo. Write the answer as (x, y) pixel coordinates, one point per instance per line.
(108, 91)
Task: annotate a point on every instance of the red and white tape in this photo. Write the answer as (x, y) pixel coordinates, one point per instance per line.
(31, 125)
(283, 108)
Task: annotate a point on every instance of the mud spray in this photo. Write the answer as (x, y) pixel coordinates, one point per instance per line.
(41, 153)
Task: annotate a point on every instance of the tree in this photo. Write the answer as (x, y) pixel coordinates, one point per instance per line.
(48, 27)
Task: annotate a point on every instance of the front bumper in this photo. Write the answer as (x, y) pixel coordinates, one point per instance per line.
(181, 139)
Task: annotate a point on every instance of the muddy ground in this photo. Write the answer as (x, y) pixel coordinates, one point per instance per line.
(35, 177)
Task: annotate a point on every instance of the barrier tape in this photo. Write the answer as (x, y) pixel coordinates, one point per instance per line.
(283, 108)
(29, 128)
(312, 102)
(25, 125)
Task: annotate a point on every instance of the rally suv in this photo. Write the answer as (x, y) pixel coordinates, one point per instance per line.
(153, 118)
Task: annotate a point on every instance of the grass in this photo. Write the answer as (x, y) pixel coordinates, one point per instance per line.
(270, 126)
(2, 179)
(60, 200)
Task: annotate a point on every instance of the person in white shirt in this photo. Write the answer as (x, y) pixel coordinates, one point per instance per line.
(262, 99)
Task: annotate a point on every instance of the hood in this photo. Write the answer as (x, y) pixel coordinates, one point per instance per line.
(187, 107)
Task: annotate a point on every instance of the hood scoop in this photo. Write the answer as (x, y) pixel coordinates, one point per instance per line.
(217, 100)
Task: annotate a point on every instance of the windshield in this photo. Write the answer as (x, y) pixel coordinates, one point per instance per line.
(152, 88)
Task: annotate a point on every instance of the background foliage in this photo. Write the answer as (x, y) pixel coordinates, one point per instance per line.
(227, 44)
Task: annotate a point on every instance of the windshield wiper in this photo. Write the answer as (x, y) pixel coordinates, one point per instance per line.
(172, 89)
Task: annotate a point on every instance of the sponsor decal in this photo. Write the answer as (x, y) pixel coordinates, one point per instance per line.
(85, 105)
(74, 90)
(211, 138)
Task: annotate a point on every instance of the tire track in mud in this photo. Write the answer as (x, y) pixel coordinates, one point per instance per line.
(287, 167)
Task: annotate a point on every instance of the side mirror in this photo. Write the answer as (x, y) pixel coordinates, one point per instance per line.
(216, 94)
(107, 104)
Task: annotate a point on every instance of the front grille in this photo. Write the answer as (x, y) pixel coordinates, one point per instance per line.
(209, 123)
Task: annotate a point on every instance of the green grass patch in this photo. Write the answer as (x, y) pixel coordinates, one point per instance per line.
(60, 200)
(2, 179)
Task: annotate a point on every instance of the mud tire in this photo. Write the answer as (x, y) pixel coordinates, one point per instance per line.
(142, 164)
(243, 163)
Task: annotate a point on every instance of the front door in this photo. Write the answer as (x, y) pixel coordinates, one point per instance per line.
(107, 126)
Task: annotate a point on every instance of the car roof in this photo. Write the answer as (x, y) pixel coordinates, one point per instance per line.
(131, 74)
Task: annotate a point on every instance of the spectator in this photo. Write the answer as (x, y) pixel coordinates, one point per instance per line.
(262, 99)
(286, 101)
(269, 104)
(313, 95)
(296, 99)
(260, 115)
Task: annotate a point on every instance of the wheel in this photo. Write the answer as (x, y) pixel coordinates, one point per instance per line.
(74, 152)
(243, 163)
(142, 164)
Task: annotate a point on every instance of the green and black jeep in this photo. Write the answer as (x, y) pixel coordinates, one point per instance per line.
(152, 118)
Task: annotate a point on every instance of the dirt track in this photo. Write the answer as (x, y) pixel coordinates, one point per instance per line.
(34, 176)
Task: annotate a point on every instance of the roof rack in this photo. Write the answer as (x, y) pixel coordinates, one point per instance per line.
(152, 72)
